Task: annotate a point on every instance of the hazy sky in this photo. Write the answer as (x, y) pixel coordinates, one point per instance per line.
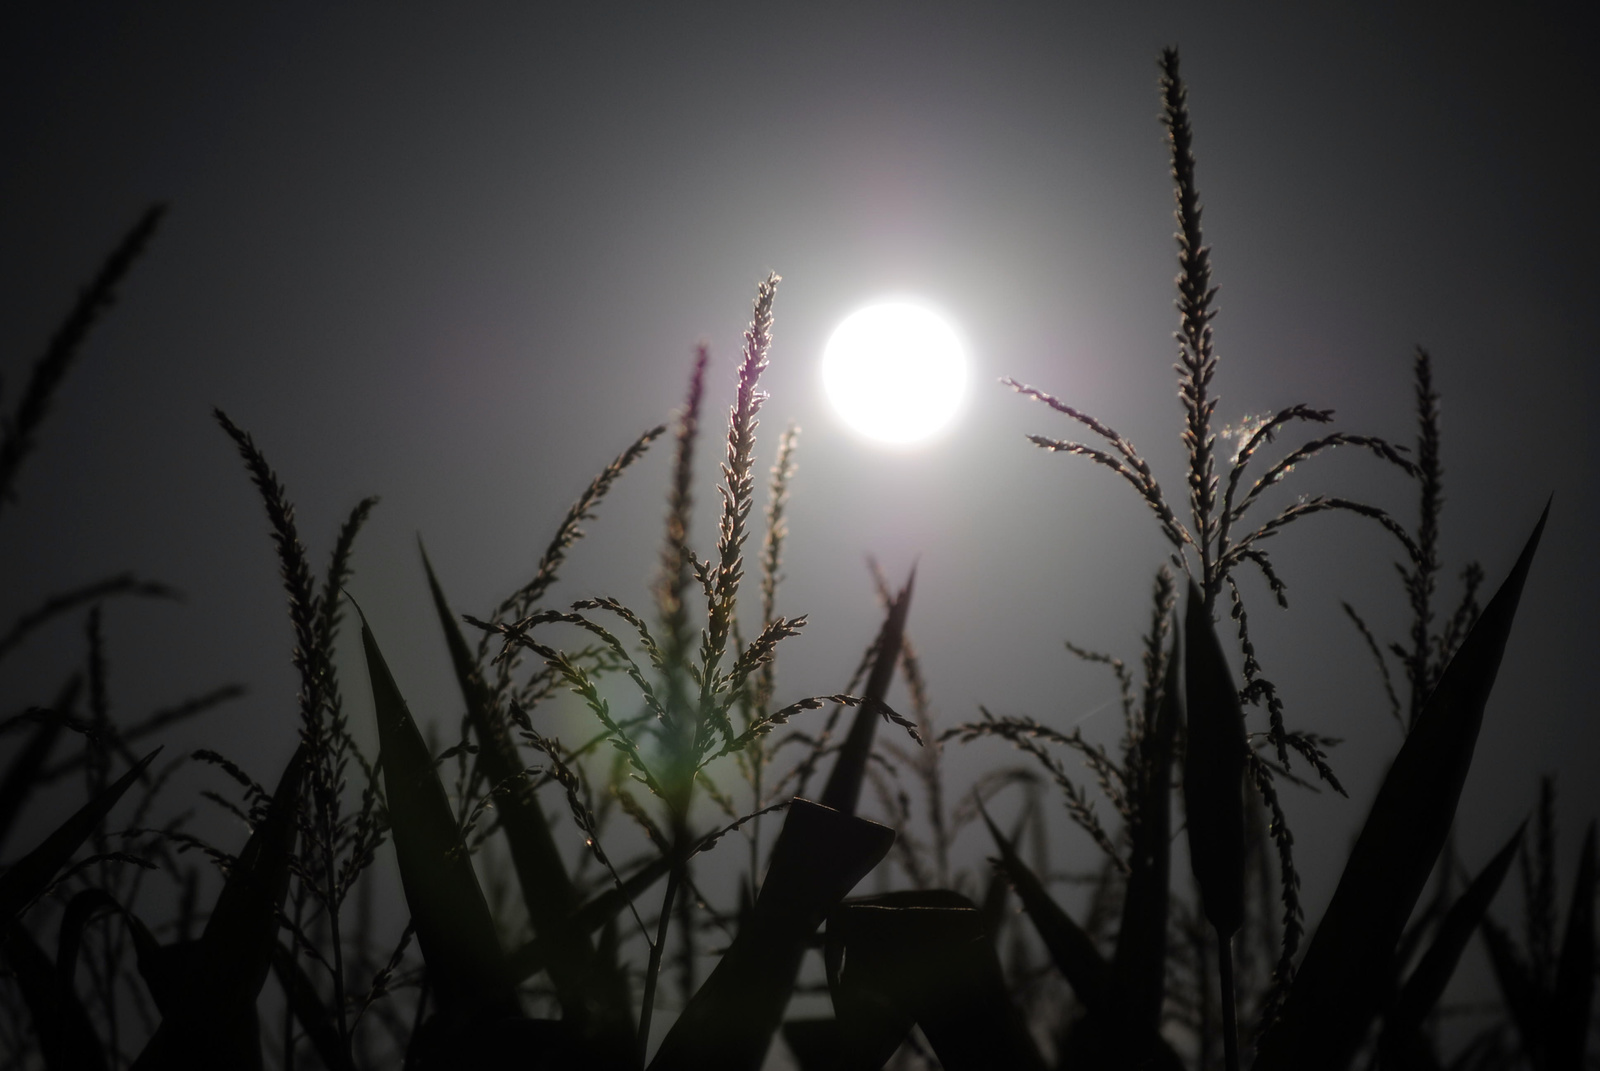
(459, 255)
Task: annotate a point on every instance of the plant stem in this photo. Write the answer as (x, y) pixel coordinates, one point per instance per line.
(647, 1005)
(1230, 1028)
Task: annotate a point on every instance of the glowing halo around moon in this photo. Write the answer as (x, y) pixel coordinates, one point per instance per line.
(895, 371)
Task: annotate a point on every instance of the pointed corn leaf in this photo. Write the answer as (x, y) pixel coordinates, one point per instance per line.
(1140, 961)
(67, 1039)
(533, 957)
(1518, 989)
(1121, 1039)
(211, 1019)
(932, 963)
(1334, 997)
(1213, 771)
(32, 874)
(819, 857)
(23, 773)
(1426, 984)
(454, 928)
(843, 790)
(307, 1007)
(1073, 952)
(547, 890)
(1569, 1011)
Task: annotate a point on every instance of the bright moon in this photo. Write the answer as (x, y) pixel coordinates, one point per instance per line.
(895, 372)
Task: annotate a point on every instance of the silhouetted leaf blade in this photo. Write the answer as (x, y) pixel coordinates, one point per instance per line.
(213, 1020)
(927, 959)
(1140, 961)
(819, 857)
(843, 790)
(1335, 994)
(1213, 771)
(1427, 982)
(1569, 1011)
(454, 928)
(32, 874)
(67, 1038)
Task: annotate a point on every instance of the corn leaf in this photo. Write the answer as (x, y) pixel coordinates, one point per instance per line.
(455, 931)
(900, 960)
(314, 1019)
(1213, 771)
(1071, 949)
(547, 890)
(819, 857)
(23, 773)
(1569, 1011)
(211, 1019)
(1335, 995)
(67, 1039)
(1140, 960)
(843, 790)
(31, 875)
(1427, 982)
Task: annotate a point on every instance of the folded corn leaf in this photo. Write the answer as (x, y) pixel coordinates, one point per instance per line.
(67, 1038)
(899, 959)
(454, 929)
(843, 790)
(83, 907)
(1569, 1011)
(213, 1020)
(547, 890)
(31, 875)
(1213, 771)
(819, 856)
(1336, 992)
(1402, 1024)
(1140, 960)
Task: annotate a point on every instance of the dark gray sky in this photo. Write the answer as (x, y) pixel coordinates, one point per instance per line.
(459, 256)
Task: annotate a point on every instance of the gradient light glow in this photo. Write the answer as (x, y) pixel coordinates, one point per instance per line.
(895, 372)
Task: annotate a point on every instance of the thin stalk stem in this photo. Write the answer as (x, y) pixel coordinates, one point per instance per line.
(1230, 1027)
(653, 971)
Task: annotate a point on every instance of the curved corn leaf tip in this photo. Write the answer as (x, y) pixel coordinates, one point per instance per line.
(67, 1038)
(1335, 994)
(1073, 952)
(547, 890)
(843, 790)
(820, 855)
(1427, 982)
(83, 907)
(923, 957)
(32, 874)
(1140, 960)
(1213, 771)
(454, 928)
(1569, 1012)
(307, 1006)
